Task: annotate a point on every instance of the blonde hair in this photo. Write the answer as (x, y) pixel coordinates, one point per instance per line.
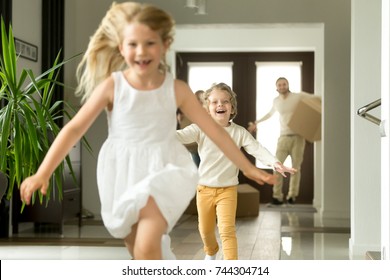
(229, 91)
(103, 56)
(200, 96)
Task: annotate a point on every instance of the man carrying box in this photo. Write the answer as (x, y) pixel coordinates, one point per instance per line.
(289, 142)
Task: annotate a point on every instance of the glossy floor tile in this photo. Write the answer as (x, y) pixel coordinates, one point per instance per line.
(285, 232)
(301, 239)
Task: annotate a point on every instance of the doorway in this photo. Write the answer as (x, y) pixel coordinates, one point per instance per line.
(244, 83)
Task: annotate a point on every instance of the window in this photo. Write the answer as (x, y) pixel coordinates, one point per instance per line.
(266, 75)
(201, 75)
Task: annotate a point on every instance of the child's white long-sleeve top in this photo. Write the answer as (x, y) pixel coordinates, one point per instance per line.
(215, 169)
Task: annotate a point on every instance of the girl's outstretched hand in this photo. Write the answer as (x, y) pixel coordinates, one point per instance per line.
(260, 176)
(279, 167)
(30, 185)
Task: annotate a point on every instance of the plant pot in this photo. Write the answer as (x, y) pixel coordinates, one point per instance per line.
(4, 207)
(4, 218)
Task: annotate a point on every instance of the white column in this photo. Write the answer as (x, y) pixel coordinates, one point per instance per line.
(365, 136)
(385, 171)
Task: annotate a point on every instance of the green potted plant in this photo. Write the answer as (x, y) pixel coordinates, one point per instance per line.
(28, 115)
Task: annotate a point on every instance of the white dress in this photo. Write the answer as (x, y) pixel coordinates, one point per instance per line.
(142, 157)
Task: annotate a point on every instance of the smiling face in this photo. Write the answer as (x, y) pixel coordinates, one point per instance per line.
(219, 106)
(142, 48)
(282, 86)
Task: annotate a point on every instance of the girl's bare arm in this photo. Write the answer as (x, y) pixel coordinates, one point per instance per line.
(67, 138)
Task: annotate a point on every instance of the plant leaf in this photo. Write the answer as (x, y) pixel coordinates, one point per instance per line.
(28, 119)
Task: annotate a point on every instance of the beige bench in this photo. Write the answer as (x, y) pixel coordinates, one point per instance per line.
(248, 202)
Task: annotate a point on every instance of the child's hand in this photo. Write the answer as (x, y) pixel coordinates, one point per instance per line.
(30, 185)
(260, 176)
(279, 167)
(252, 127)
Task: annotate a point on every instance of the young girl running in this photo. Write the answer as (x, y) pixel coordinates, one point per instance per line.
(217, 190)
(145, 177)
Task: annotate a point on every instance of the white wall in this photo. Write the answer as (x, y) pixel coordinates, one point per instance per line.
(365, 137)
(27, 26)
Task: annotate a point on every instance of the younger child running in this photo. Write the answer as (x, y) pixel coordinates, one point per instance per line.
(217, 188)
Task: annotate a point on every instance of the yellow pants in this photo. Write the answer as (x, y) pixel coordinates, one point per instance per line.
(218, 206)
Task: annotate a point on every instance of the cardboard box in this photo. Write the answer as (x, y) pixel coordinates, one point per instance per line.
(248, 202)
(306, 119)
(191, 209)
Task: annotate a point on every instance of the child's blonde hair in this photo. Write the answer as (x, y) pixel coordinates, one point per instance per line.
(228, 90)
(103, 56)
(200, 96)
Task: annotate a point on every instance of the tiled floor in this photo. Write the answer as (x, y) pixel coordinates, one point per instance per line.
(285, 232)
